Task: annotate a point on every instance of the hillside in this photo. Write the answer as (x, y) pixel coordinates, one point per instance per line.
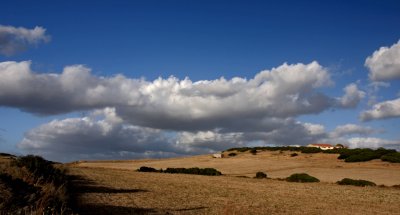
(326, 167)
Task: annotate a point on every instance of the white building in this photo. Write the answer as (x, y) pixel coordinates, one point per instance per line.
(322, 146)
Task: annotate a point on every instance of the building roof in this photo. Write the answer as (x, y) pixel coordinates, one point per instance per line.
(322, 144)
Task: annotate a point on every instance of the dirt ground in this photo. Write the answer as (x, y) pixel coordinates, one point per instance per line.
(325, 167)
(119, 191)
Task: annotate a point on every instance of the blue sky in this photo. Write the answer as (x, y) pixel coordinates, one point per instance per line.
(201, 40)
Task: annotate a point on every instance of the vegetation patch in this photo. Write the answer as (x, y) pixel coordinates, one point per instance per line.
(147, 169)
(359, 155)
(391, 157)
(260, 175)
(194, 171)
(348, 155)
(32, 185)
(360, 183)
(232, 154)
(301, 177)
(294, 154)
(6, 155)
(42, 170)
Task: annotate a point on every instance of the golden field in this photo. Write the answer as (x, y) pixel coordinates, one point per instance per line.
(113, 187)
(325, 167)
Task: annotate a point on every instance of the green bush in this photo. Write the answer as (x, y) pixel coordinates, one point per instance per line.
(261, 175)
(361, 183)
(232, 154)
(253, 151)
(392, 157)
(194, 170)
(359, 155)
(147, 169)
(349, 155)
(301, 177)
(310, 150)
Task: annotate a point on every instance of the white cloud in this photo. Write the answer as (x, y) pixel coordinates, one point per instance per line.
(238, 103)
(314, 129)
(209, 141)
(370, 142)
(101, 134)
(352, 96)
(384, 64)
(351, 129)
(382, 110)
(289, 131)
(14, 40)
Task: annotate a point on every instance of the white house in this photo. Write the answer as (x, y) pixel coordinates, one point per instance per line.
(322, 146)
(217, 155)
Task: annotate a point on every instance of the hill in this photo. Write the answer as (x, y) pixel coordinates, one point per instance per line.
(276, 164)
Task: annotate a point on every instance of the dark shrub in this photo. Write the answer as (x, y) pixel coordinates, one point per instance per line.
(363, 156)
(232, 154)
(310, 150)
(359, 155)
(195, 171)
(6, 154)
(243, 149)
(42, 170)
(301, 177)
(253, 151)
(392, 157)
(361, 183)
(261, 175)
(294, 155)
(15, 193)
(40, 189)
(147, 169)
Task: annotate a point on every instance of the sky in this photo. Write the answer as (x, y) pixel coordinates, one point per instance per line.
(150, 79)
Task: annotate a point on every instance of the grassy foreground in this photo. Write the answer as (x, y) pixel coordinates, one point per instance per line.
(113, 191)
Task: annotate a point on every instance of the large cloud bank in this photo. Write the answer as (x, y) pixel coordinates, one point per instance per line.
(169, 116)
(14, 40)
(285, 91)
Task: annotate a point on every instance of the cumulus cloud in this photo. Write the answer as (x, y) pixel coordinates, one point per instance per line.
(14, 40)
(382, 110)
(351, 129)
(102, 133)
(206, 141)
(384, 64)
(286, 91)
(352, 96)
(371, 142)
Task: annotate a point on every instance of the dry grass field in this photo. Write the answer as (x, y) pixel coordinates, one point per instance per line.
(113, 187)
(115, 191)
(325, 167)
